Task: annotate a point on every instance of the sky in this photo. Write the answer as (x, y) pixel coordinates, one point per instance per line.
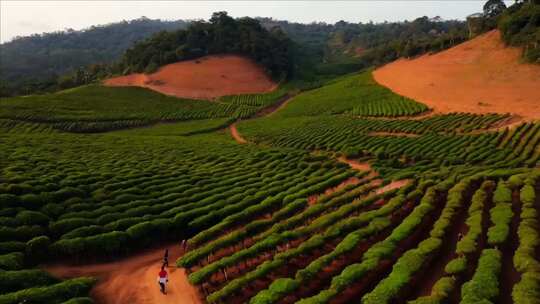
(22, 18)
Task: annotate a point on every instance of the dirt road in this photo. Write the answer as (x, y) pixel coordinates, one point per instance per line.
(134, 280)
(236, 135)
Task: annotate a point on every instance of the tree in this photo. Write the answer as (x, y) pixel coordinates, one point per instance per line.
(494, 8)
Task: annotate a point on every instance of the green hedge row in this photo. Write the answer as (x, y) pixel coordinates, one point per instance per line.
(468, 243)
(415, 259)
(378, 251)
(14, 280)
(377, 220)
(526, 262)
(484, 285)
(500, 215)
(12, 261)
(56, 293)
(276, 239)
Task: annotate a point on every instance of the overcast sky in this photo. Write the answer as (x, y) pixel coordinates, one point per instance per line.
(21, 18)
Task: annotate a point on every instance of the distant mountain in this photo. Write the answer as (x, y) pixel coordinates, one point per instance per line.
(45, 56)
(35, 63)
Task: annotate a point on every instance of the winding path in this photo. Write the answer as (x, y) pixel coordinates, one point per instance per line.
(268, 111)
(134, 280)
(236, 135)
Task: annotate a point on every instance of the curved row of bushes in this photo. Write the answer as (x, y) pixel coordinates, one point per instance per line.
(415, 259)
(526, 261)
(376, 253)
(377, 220)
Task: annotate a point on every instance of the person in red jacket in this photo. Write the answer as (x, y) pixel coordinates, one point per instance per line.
(163, 278)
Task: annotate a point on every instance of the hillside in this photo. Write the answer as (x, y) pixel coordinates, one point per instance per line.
(329, 188)
(478, 76)
(52, 61)
(204, 78)
(43, 56)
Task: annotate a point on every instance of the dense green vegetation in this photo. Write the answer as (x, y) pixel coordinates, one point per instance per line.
(520, 26)
(221, 34)
(356, 94)
(319, 51)
(321, 120)
(75, 214)
(34, 63)
(438, 209)
(96, 108)
(265, 206)
(327, 50)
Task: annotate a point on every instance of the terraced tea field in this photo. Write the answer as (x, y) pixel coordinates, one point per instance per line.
(347, 193)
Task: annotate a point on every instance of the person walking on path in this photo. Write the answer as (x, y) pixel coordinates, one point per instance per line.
(163, 278)
(183, 245)
(166, 258)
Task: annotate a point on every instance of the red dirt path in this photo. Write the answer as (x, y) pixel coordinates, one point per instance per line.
(204, 78)
(236, 135)
(479, 76)
(355, 165)
(312, 199)
(134, 280)
(393, 185)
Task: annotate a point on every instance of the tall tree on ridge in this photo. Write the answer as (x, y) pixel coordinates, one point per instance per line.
(493, 8)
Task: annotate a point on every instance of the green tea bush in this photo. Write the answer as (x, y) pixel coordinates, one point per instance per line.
(456, 265)
(12, 261)
(11, 281)
(31, 201)
(55, 293)
(7, 247)
(84, 231)
(21, 233)
(101, 245)
(37, 249)
(64, 226)
(441, 290)
(501, 214)
(526, 261)
(8, 200)
(276, 290)
(80, 300)
(32, 218)
(484, 285)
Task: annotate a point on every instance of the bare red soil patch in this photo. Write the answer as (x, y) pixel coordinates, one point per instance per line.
(479, 76)
(393, 185)
(355, 165)
(204, 78)
(134, 279)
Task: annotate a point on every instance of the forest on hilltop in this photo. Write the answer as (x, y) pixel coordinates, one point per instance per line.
(37, 60)
(305, 53)
(317, 48)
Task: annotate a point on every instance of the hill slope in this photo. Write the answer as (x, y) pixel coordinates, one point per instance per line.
(51, 54)
(204, 78)
(478, 76)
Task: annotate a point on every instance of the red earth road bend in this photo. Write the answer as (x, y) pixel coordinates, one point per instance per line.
(236, 135)
(133, 280)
